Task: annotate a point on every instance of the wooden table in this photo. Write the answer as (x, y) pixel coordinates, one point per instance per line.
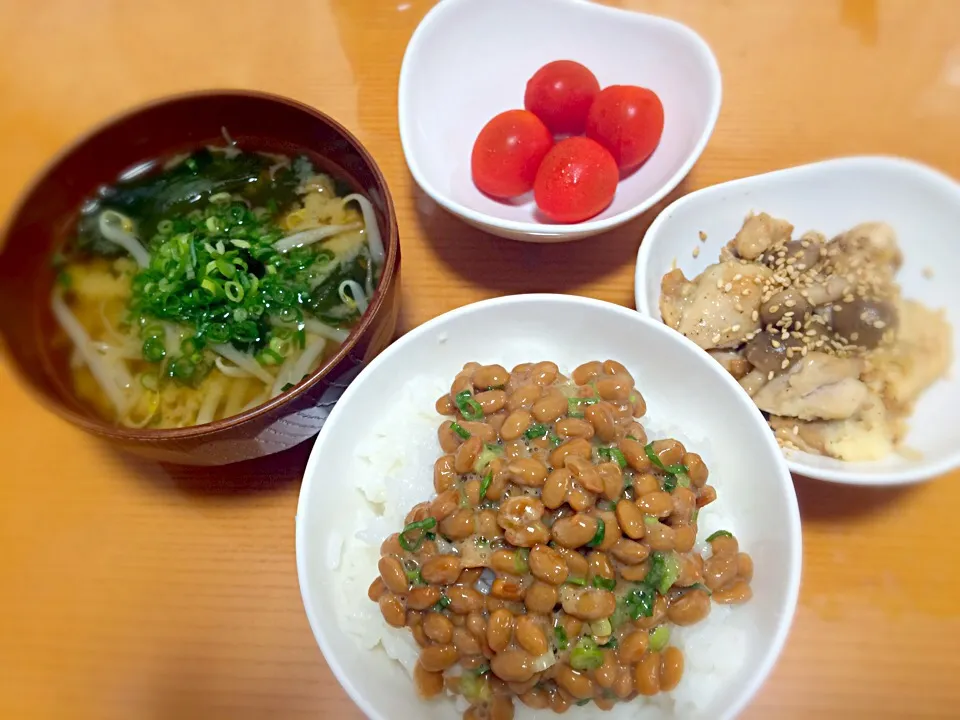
(132, 590)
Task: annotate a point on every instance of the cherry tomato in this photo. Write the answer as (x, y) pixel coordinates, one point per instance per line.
(508, 152)
(628, 121)
(576, 180)
(560, 94)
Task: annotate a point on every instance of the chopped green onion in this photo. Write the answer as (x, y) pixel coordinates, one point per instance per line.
(555, 440)
(154, 350)
(719, 534)
(537, 430)
(598, 536)
(412, 545)
(631, 437)
(444, 602)
(611, 644)
(469, 408)
(659, 638)
(487, 455)
(521, 561)
(586, 655)
(701, 586)
(670, 483)
(561, 637)
(574, 405)
(413, 577)
(695, 515)
(585, 701)
(181, 369)
(576, 581)
(606, 505)
(460, 430)
(664, 571)
(233, 290)
(683, 480)
(485, 484)
(604, 583)
(655, 459)
(639, 602)
(601, 628)
(614, 454)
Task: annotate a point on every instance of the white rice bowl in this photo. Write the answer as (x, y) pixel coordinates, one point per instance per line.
(388, 468)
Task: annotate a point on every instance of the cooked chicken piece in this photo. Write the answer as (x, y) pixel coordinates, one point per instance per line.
(818, 387)
(870, 245)
(759, 233)
(867, 435)
(717, 309)
(732, 361)
(920, 355)
(753, 381)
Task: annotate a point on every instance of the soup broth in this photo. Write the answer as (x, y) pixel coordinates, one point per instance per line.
(205, 287)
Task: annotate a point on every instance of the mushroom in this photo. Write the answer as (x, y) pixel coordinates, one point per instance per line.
(864, 322)
(768, 353)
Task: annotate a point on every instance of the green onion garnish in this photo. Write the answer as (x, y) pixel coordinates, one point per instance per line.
(443, 603)
(460, 430)
(413, 577)
(537, 430)
(575, 405)
(701, 586)
(719, 534)
(612, 453)
(655, 459)
(489, 453)
(521, 561)
(659, 638)
(468, 407)
(604, 583)
(586, 655)
(638, 602)
(412, 545)
(598, 536)
(576, 581)
(555, 440)
(585, 701)
(485, 484)
(561, 637)
(664, 571)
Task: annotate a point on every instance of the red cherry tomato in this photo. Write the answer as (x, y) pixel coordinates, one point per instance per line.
(628, 121)
(508, 152)
(577, 179)
(560, 94)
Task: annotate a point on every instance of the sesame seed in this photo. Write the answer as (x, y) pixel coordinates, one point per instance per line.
(785, 364)
(696, 251)
(736, 328)
(716, 339)
(774, 308)
(728, 287)
(755, 316)
(703, 236)
(770, 375)
(775, 343)
(737, 277)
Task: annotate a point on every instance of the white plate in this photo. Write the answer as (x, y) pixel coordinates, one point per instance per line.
(921, 204)
(681, 385)
(468, 61)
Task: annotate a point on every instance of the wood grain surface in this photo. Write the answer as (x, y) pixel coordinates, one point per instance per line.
(135, 590)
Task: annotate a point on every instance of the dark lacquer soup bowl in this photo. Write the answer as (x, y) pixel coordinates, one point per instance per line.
(48, 216)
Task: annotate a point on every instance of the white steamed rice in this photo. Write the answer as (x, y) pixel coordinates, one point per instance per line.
(395, 471)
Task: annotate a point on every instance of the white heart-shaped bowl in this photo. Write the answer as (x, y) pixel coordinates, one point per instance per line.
(688, 396)
(921, 204)
(468, 61)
